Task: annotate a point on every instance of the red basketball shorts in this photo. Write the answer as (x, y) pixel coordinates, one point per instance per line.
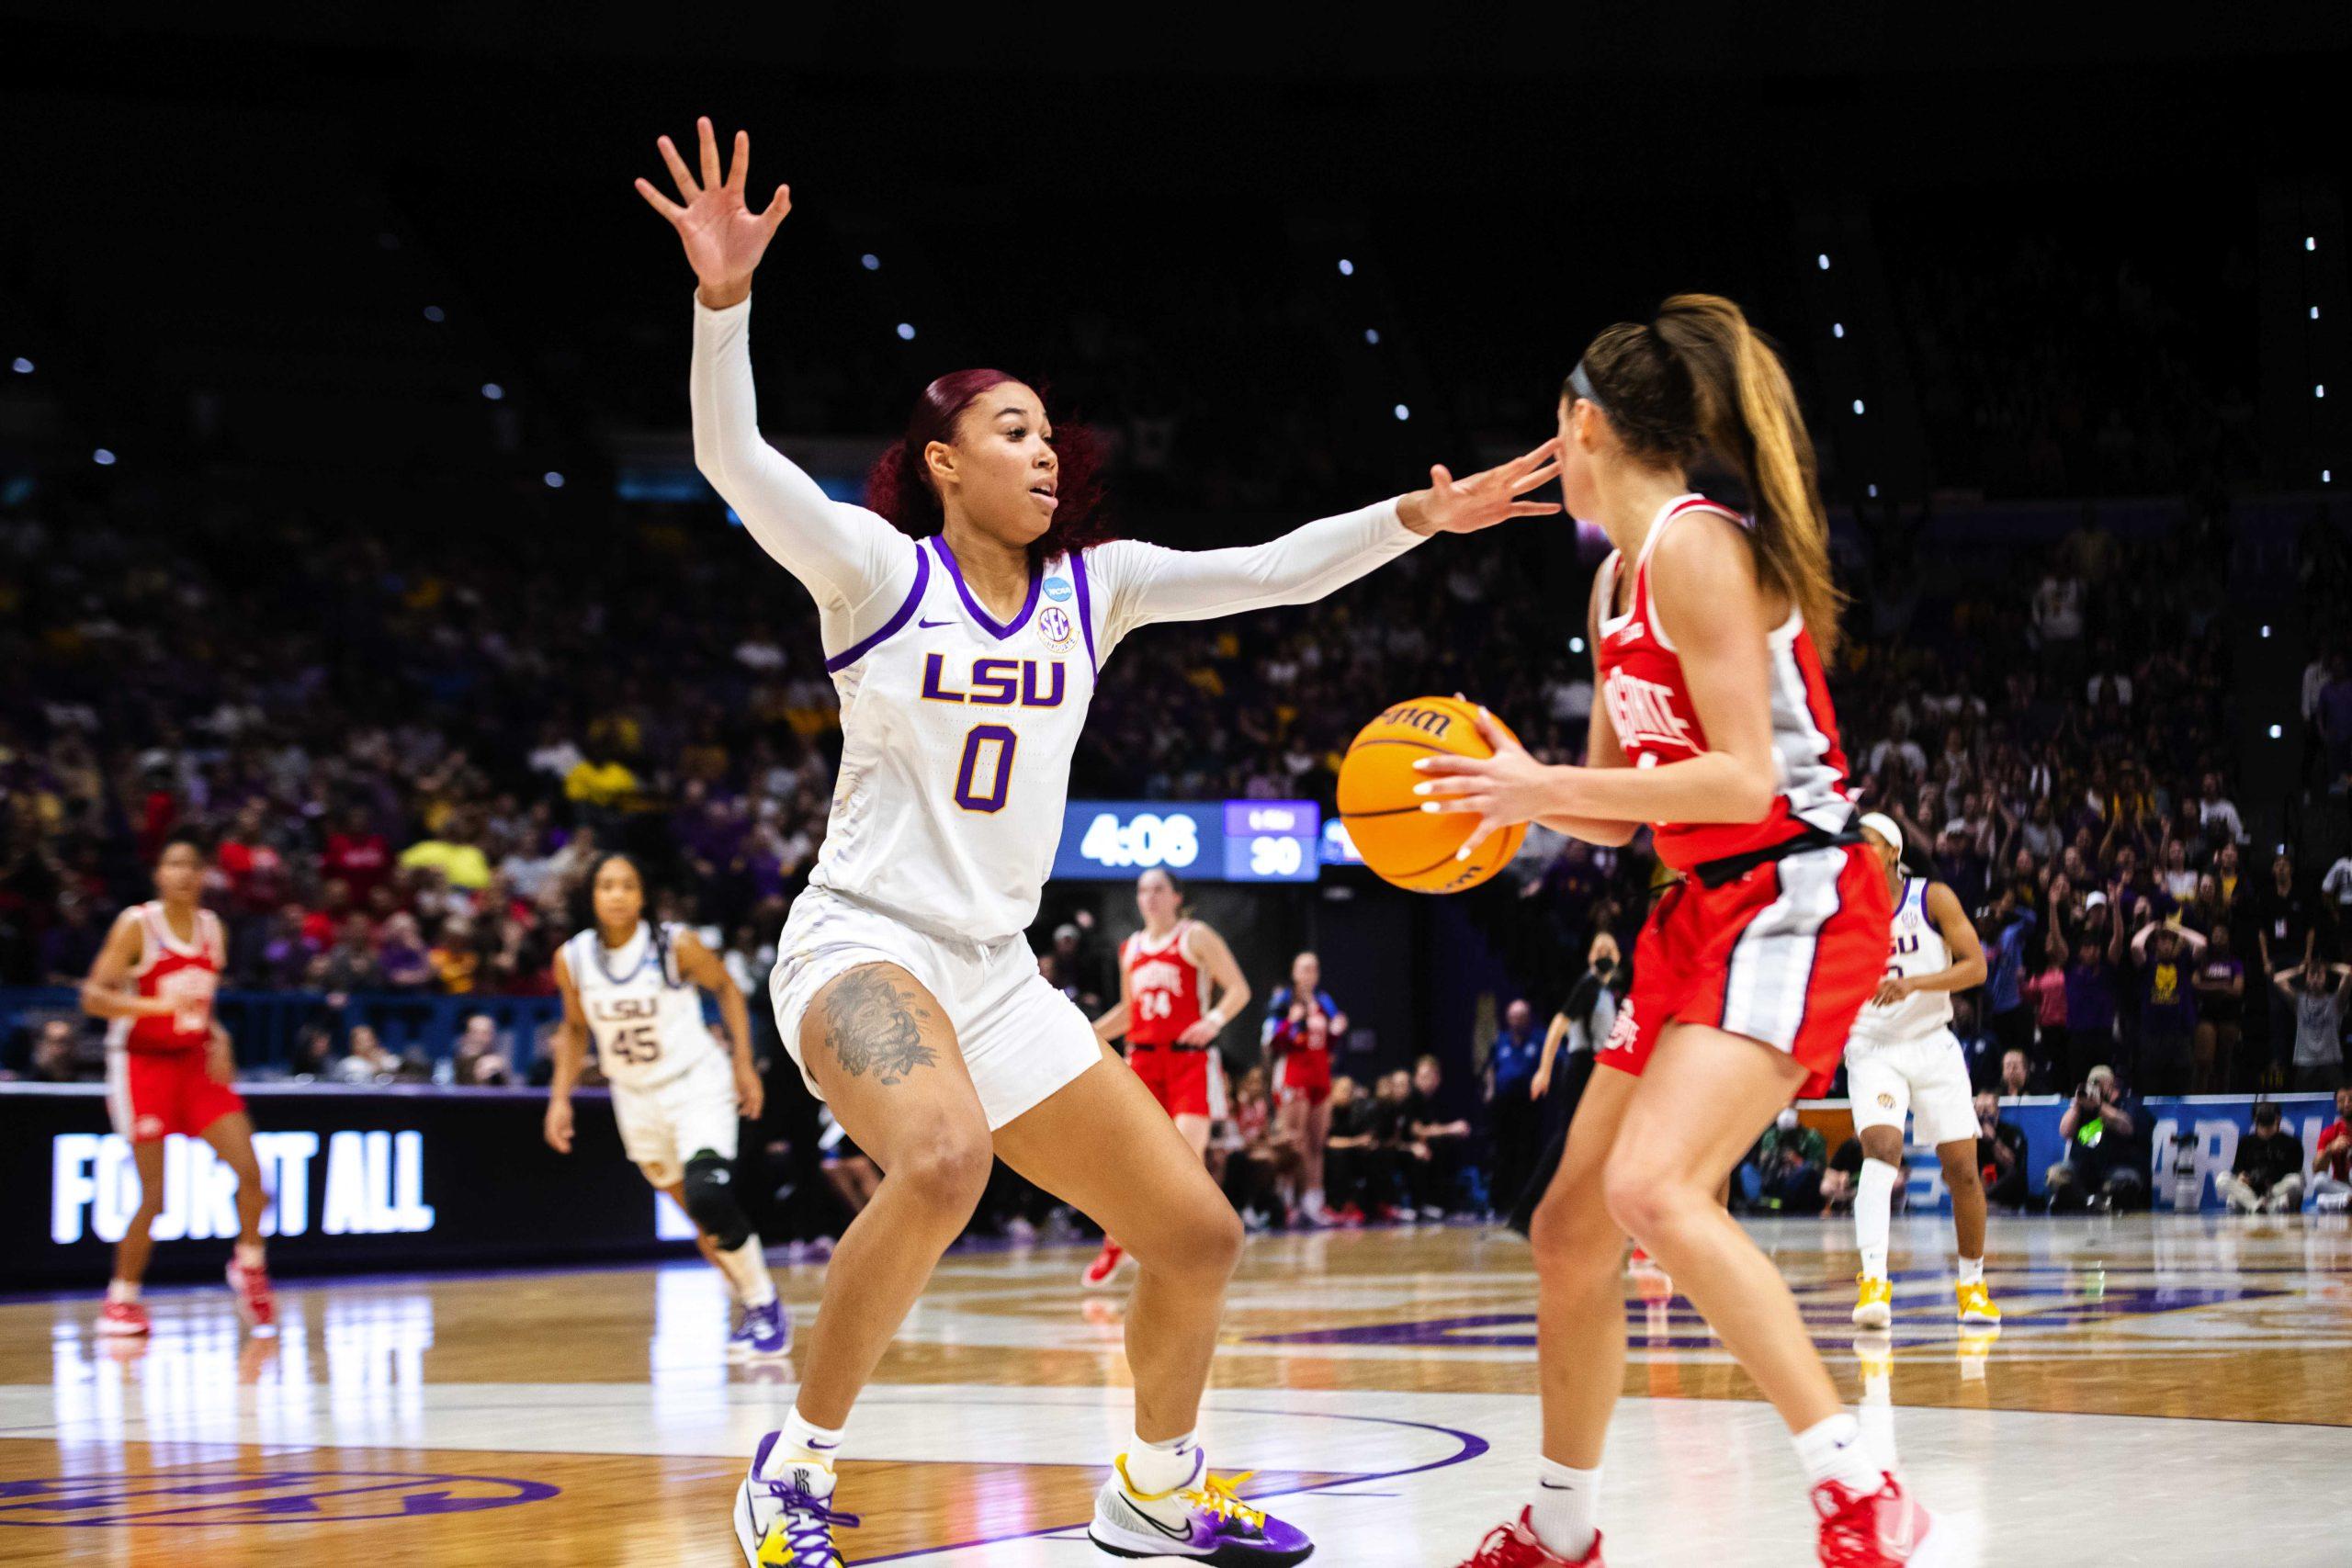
(152, 1094)
(1785, 955)
(1305, 1075)
(1177, 1078)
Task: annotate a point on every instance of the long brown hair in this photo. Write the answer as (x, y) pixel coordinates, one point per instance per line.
(1698, 382)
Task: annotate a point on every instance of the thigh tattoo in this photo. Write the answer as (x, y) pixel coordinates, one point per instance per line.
(871, 1021)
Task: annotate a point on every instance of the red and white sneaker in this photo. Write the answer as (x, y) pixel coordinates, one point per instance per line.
(1516, 1545)
(1106, 1263)
(1885, 1528)
(256, 1303)
(124, 1318)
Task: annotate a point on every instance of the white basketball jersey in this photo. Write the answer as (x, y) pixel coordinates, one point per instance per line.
(645, 1017)
(1915, 947)
(957, 738)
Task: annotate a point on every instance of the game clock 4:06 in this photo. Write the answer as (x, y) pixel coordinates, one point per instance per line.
(1232, 840)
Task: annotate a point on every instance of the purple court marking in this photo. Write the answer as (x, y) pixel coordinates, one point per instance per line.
(1688, 1331)
(1473, 1446)
(282, 1497)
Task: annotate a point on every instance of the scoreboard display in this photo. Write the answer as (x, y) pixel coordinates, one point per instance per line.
(1228, 841)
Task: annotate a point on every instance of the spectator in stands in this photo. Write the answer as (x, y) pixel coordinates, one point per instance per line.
(401, 962)
(2045, 990)
(2268, 1175)
(2102, 1169)
(2216, 812)
(1347, 1169)
(849, 1171)
(1514, 1113)
(2168, 1007)
(1838, 1179)
(2007, 934)
(1258, 1159)
(2000, 1156)
(2219, 980)
(2019, 1077)
(369, 1060)
(2093, 961)
(476, 1062)
(57, 1055)
(1789, 1163)
(2318, 993)
(1438, 1142)
(2332, 1162)
(70, 945)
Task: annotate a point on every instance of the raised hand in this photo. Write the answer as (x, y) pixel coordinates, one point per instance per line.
(723, 237)
(1481, 500)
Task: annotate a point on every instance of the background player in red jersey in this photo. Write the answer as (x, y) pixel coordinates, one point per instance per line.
(1708, 632)
(169, 1066)
(1302, 1024)
(1165, 973)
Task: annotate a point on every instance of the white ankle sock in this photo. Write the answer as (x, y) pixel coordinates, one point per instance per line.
(1834, 1451)
(1565, 1503)
(122, 1290)
(251, 1254)
(746, 1269)
(802, 1442)
(1972, 1271)
(1163, 1467)
(1873, 1201)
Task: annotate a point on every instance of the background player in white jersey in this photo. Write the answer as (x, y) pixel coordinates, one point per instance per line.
(635, 986)
(1902, 1057)
(964, 662)
(1166, 974)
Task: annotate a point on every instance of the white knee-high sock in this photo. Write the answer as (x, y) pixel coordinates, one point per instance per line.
(1566, 1503)
(1874, 1201)
(746, 1269)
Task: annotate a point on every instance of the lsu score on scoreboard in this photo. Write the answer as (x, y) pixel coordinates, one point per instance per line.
(1229, 841)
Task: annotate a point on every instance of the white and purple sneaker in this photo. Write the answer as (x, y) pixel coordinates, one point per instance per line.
(784, 1513)
(760, 1333)
(1203, 1520)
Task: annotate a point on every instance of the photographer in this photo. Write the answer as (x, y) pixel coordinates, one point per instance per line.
(2268, 1175)
(2100, 1129)
(2000, 1156)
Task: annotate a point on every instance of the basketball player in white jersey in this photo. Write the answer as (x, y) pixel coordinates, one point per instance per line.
(1165, 1008)
(1902, 1057)
(635, 987)
(965, 659)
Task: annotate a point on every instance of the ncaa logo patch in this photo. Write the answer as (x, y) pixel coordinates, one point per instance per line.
(1056, 627)
(1057, 589)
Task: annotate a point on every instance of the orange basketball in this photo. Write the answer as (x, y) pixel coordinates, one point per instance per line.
(1410, 847)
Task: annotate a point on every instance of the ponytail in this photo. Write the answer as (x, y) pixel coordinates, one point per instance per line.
(1699, 383)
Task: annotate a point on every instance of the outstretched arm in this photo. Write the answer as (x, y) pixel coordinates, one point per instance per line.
(845, 555)
(1143, 583)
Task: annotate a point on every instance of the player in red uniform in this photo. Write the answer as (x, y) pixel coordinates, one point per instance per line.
(169, 1066)
(1165, 973)
(1708, 633)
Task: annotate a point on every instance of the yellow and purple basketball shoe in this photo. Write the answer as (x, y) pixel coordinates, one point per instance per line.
(1204, 1520)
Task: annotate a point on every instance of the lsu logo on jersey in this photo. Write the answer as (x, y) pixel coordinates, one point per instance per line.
(1643, 713)
(997, 683)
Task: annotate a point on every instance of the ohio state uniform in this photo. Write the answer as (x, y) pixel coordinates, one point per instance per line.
(1778, 930)
(156, 1083)
(1164, 990)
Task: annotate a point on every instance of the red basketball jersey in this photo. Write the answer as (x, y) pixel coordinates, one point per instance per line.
(186, 973)
(1649, 705)
(1163, 987)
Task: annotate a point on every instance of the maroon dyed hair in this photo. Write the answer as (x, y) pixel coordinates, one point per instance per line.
(899, 485)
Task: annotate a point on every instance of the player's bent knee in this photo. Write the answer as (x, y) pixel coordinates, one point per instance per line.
(949, 1167)
(1639, 1195)
(1574, 1238)
(709, 1189)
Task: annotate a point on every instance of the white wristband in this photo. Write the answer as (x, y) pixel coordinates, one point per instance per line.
(1215, 1018)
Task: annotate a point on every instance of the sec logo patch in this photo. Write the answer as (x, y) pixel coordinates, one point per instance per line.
(1056, 627)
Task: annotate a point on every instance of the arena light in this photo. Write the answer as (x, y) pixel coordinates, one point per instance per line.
(103, 458)
(494, 391)
(2315, 312)
(1575, 645)
(1824, 259)
(905, 332)
(870, 262)
(2266, 631)
(434, 315)
(1347, 267)
(2320, 390)
(2310, 242)
(554, 480)
(1836, 328)
(21, 365)
(2324, 477)
(2276, 732)
(1874, 492)
(1371, 335)
(1858, 405)
(1403, 412)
